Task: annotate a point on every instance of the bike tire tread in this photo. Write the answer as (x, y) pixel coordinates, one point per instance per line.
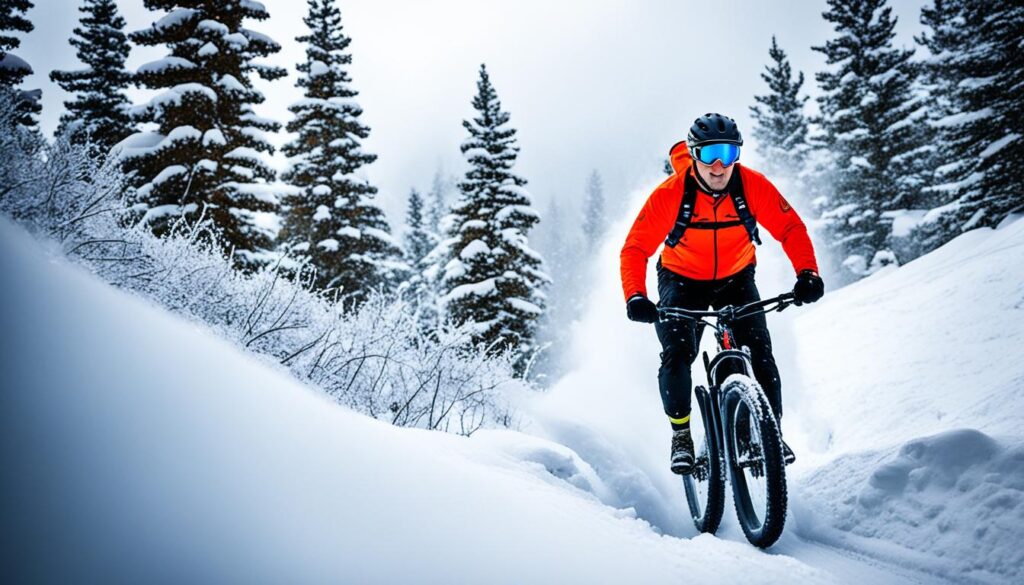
(777, 496)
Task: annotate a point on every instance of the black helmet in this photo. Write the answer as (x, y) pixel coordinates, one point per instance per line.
(711, 128)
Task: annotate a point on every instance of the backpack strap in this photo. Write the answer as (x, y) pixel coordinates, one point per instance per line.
(715, 225)
(685, 211)
(689, 200)
(742, 209)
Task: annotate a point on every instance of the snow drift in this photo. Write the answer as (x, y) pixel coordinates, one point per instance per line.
(137, 447)
(950, 504)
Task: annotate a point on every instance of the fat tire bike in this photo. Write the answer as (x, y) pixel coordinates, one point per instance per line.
(739, 432)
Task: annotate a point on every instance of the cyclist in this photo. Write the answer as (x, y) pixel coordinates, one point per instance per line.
(707, 213)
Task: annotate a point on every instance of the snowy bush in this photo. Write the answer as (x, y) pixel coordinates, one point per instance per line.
(373, 358)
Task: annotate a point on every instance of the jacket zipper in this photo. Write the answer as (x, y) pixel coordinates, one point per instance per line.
(714, 274)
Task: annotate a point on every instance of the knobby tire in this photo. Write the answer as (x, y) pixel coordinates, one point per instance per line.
(708, 519)
(761, 532)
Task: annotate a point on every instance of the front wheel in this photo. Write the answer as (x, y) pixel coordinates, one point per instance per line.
(753, 445)
(705, 485)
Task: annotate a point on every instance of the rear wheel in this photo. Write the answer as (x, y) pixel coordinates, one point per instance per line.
(705, 485)
(756, 466)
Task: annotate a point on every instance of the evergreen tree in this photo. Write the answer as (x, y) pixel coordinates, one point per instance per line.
(593, 211)
(207, 154)
(780, 126)
(334, 221)
(14, 69)
(559, 243)
(419, 239)
(872, 130)
(437, 202)
(945, 38)
(975, 74)
(99, 112)
(427, 270)
(559, 240)
(492, 278)
(420, 242)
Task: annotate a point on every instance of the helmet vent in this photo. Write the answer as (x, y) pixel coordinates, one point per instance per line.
(712, 128)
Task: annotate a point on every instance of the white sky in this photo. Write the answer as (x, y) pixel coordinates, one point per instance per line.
(605, 84)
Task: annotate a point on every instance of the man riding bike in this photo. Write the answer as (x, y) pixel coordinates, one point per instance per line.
(707, 213)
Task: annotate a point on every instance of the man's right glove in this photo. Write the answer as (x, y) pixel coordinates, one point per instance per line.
(809, 287)
(640, 308)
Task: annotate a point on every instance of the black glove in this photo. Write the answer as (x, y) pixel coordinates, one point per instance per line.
(640, 308)
(809, 287)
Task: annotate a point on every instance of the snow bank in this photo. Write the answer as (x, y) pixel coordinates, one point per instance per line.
(137, 447)
(912, 404)
(951, 503)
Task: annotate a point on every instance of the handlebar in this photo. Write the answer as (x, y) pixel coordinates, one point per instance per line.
(729, 313)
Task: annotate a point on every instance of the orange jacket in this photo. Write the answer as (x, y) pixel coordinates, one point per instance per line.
(709, 254)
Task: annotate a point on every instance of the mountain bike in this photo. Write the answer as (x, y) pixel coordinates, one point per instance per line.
(738, 432)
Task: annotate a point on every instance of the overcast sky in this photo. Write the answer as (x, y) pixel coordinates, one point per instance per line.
(590, 84)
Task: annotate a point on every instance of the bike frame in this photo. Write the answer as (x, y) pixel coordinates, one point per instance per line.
(722, 400)
(724, 318)
(738, 361)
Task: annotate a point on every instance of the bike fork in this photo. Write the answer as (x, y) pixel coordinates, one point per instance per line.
(709, 403)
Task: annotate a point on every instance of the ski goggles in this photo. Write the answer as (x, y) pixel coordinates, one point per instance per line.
(709, 153)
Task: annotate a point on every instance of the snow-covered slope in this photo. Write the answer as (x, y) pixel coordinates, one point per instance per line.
(140, 448)
(913, 398)
(933, 345)
(903, 393)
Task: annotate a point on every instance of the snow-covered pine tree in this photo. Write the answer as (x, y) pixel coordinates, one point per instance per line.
(99, 112)
(208, 150)
(14, 69)
(420, 287)
(334, 221)
(946, 38)
(559, 243)
(872, 128)
(594, 219)
(429, 268)
(419, 239)
(492, 278)
(780, 126)
(975, 74)
(437, 205)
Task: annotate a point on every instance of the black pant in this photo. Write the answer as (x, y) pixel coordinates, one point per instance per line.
(680, 339)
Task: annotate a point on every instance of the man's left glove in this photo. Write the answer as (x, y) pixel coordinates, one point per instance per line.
(640, 308)
(809, 287)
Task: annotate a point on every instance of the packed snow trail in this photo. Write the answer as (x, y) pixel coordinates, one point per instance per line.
(138, 447)
(891, 389)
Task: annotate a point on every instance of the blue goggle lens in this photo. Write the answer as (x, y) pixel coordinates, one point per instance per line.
(727, 153)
